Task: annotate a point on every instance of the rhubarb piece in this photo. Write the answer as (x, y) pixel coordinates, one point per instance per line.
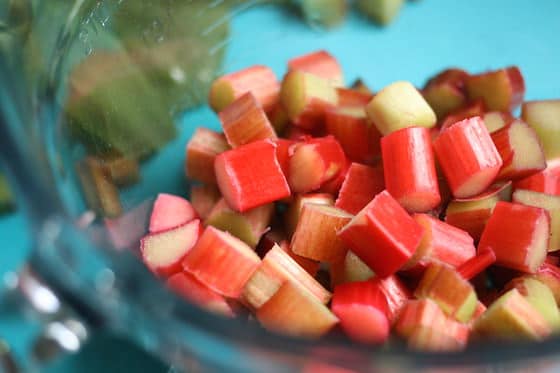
(546, 181)
(314, 162)
(456, 77)
(319, 63)
(294, 211)
(445, 92)
(416, 314)
(471, 214)
(410, 173)
(455, 295)
(203, 198)
(126, 230)
(306, 97)
(399, 105)
(496, 120)
(276, 268)
(477, 264)
(325, 13)
(164, 251)
(441, 242)
(101, 194)
(350, 269)
(259, 80)
(201, 151)
(188, 287)
(250, 176)
(333, 185)
(468, 157)
(549, 275)
(294, 311)
(550, 204)
(383, 235)
(518, 234)
(360, 185)
(222, 262)
(360, 86)
(474, 109)
(170, 211)
(501, 90)
(396, 293)
(544, 117)
(479, 311)
(310, 266)
(540, 297)
(279, 119)
(315, 235)
(512, 316)
(520, 150)
(358, 138)
(362, 310)
(248, 226)
(124, 171)
(283, 154)
(244, 121)
(353, 98)
(381, 12)
(449, 336)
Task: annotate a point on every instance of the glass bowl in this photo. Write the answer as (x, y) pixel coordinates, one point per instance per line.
(131, 77)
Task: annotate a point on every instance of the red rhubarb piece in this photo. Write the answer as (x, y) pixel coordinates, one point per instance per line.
(250, 176)
(395, 234)
(244, 121)
(423, 313)
(203, 198)
(222, 262)
(410, 173)
(293, 213)
(445, 91)
(259, 80)
(468, 157)
(474, 109)
(353, 98)
(319, 63)
(396, 294)
(362, 310)
(477, 264)
(501, 89)
(546, 181)
(170, 211)
(164, 251)
(360, 185)
(283, 154)
(518, 235)
(201, 151)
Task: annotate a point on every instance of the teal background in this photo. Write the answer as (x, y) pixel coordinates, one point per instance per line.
(428, 35)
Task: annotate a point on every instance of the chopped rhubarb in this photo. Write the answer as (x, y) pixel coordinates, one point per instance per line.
(333, 185)
(353, 98)
(279, 119)
(164, 251)
(496, 120)
(450, 335)
(294, 210)
(362, 310)
(350, 269)
(546, 181)
(244, 121)
(419, 314)
(501, 89)
(360, 185)
(468, 157)
(250, 176)
(294, 311)
(188, 287)
(283, 154)
(319, 63)
(549, 275)
(315, 235)
(394, 233)
(360, 86)
(544, 117)
(399, 105)
(477, 264)
(259, 80)
(396, 293)
(410, 173)
(518, 234)
(100, 193)
(201, 151)
(445, 92)
(520, 149)
(203, 198)
(474, 109)
(222, 262)
(314, 162)
(248, 226)
(170, 211)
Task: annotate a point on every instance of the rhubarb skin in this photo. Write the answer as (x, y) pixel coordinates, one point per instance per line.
(222, 262)
(415, 314)
(362, 310)
(294, 311)
(270, 239)
(468, 157)
(319, 63)
(203, 198)
(293, 213)
(518, 234)
(251, 176)
(452, 336)
(170, 211)
(283, 154)
(244, 121)
(359, 187)
(473, 109)
(315, 235)
(501, 90)
(409, 168)
(477, 264)
(520, 149)
(353, 98)
(259, 80)
(546, 181)
(395, 233)
(358, 138)
(544, 116)
(399, 105)
(396, 294)
(306, 97)
(188, 287)
(201, 151)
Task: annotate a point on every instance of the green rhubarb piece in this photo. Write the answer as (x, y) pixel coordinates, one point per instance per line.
(6, 197)
(324, 13)
(382, 12)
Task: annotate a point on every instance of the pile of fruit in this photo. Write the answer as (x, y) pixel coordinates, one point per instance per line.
(432, 215)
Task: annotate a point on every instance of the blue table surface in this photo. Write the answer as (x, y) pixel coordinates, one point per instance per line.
(478, 35)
